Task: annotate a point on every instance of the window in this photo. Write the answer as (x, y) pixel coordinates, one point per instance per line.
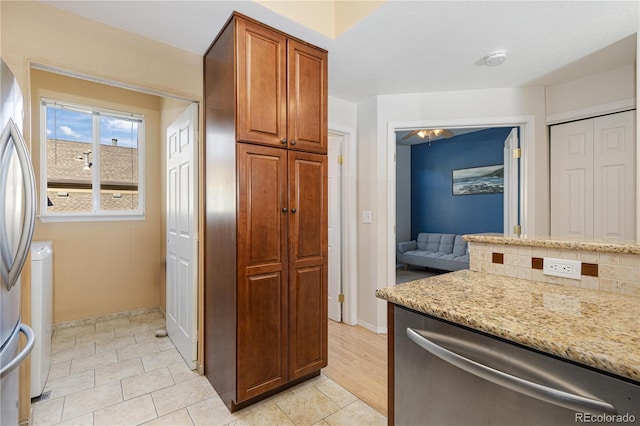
(93, 163)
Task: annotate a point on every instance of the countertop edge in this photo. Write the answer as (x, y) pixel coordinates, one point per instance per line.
(622, 247)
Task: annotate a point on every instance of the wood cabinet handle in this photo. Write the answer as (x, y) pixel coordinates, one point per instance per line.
(293, 142)
(284, 210)
(293, 210)
(283, 141)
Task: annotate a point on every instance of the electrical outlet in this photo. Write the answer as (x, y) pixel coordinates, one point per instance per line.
(562, 267)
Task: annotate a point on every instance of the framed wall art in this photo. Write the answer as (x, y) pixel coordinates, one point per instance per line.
(479, 180)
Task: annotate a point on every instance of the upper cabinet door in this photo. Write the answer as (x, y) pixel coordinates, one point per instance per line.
(307, 82)
(261, 58)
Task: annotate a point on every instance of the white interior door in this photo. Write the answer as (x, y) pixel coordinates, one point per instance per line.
(511, 187)
(571, 177)
(182, 251)
(614, 176)
(593, 178)
(335, 226)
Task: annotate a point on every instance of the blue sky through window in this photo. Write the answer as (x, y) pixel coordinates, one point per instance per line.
(64, 124)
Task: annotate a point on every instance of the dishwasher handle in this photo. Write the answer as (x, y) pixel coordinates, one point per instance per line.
(544, 393)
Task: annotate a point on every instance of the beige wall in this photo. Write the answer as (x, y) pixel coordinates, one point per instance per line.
(329, 18)
(87, 47)
(601, 93)
(104, 267)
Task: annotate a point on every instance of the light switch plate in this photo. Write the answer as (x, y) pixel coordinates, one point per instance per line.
(367, 216)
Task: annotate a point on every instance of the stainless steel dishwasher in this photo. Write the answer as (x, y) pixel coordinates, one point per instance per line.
(449, 375)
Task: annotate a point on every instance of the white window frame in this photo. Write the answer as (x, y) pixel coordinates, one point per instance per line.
(97, 214)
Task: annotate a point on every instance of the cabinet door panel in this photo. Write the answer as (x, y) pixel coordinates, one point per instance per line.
(307, 82)
(261, 86)
(308, 198)
(262, 225)
(307, 263)
(262, 334)
(307, 320)
(262, 271)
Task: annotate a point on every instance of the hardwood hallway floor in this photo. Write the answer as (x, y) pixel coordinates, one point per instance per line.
(358, 363)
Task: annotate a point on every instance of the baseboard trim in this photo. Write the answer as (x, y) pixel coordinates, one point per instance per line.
(107, 317)
(371, 327)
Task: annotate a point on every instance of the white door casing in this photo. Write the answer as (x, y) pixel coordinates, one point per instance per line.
(182, 244)
(593, 190)
(335, 227)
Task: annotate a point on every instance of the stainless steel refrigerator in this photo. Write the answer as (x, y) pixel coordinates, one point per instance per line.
(17, 217)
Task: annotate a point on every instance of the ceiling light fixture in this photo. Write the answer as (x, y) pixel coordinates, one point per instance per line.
(496, 58)
(429, 134)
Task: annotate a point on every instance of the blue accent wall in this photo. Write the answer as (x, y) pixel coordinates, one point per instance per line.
(434, 208)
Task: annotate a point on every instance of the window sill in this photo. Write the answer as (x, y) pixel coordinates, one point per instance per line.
(90, 217)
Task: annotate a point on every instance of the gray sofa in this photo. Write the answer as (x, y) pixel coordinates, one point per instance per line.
(448, 252)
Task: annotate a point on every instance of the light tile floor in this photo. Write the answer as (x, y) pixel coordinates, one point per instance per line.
(116, 372)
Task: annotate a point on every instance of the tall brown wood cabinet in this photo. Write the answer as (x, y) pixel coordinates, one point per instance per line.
(265, 296)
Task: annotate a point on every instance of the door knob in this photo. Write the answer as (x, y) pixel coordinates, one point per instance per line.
(293, 142)
(293, 210)
(284, 210)
(283, 141)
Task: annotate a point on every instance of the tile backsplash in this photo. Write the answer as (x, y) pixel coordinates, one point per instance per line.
(611, 272)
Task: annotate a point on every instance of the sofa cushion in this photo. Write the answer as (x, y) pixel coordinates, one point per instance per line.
(421, 241)
(459, 246)
(434, 242)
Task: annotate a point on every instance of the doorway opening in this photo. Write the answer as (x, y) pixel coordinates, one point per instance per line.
(131, 258)
(515, 206)
(453, 181)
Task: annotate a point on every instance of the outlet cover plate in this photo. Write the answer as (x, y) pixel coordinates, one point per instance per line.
(562, 267)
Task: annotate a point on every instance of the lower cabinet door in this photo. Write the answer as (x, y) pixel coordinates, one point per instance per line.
(307, 320)
(308, 263)
(262, 334)
(262, 294)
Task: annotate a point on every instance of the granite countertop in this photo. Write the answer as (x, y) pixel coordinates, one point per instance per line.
(597, 329)
(625, 247)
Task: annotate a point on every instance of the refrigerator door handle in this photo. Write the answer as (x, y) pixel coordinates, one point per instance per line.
(11, 365)
(544, 393)
(11, 268)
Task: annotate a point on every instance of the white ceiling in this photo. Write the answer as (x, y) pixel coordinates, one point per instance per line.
(416, 46)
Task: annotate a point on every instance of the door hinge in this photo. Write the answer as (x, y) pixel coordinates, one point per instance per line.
(341, 159)
(517, 153)
(341, 298)
(517, 229)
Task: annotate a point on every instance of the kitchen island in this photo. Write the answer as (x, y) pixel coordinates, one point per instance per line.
(593, 328)
(578, 328)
